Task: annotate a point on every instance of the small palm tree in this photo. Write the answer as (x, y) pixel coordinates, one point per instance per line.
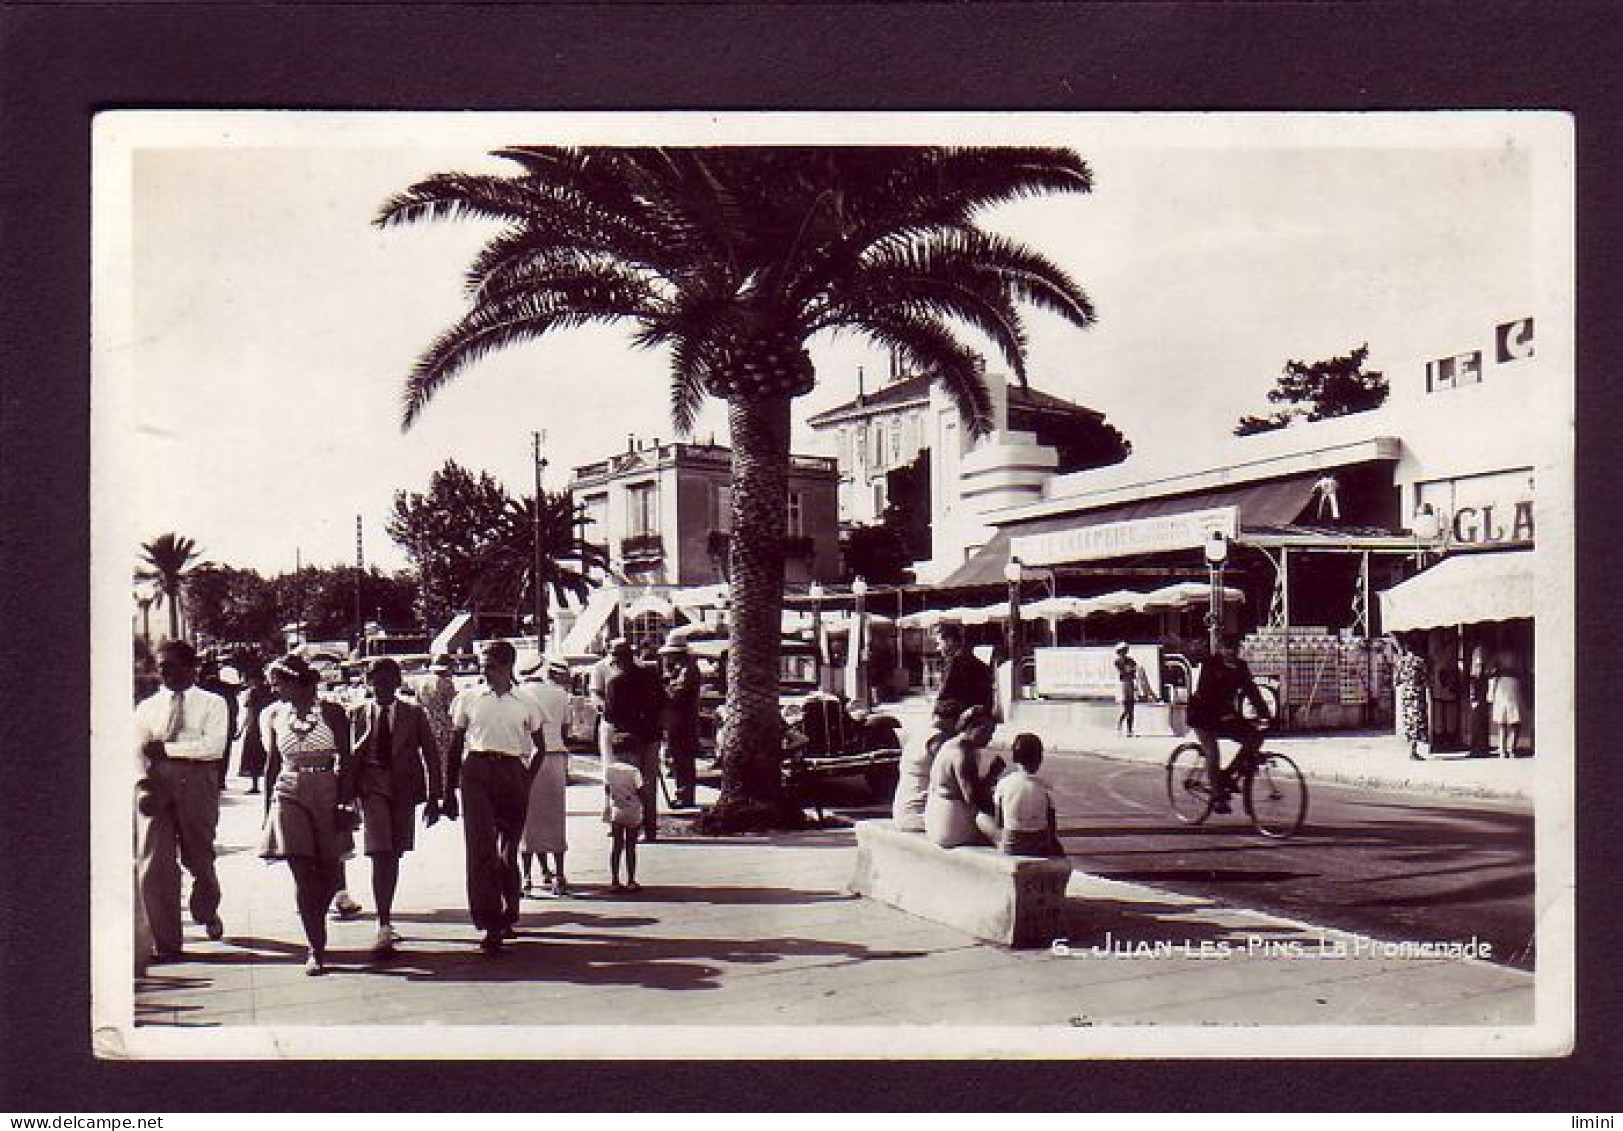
(166, 560)
(733, 259)
(509, 559)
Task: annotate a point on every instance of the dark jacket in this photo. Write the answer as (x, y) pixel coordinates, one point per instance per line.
(414, 763)
(1216, 700)
(633, 702)
(967, 682)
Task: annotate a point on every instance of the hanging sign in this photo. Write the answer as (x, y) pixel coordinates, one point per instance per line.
(1161, 534)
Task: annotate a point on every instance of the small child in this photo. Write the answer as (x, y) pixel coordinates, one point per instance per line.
(1025, 810)
(622, 812)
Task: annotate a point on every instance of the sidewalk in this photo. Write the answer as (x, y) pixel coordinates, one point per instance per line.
(1379, 760)
(761, 931)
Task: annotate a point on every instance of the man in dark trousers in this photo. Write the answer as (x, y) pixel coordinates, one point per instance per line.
(964, 679)
(682, 687)
(1214, 713)
(633, 705)
(396, 767)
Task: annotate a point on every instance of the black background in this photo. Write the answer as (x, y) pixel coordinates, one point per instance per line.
(60, 63)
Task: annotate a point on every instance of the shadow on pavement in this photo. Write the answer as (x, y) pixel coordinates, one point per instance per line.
(648, 961)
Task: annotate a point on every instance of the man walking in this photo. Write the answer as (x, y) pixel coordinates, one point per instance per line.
(632, 704)
(682, 687)
(498, 728)
(182, 731)
(395, 768)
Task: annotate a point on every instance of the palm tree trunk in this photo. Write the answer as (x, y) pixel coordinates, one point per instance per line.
(751, 742)
(174, 614)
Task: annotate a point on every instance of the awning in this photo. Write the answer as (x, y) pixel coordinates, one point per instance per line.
(1187, 594)
(1277, 502)
(1462, 589)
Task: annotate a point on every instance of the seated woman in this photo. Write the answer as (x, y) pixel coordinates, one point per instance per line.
(959, 807)
(913, 768)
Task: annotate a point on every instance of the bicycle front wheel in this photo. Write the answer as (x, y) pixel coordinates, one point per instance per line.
(1276, 796)
(1188, 790)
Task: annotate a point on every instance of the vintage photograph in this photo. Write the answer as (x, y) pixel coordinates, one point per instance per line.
(861, 585)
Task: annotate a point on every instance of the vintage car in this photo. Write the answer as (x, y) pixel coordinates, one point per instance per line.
(824, 737)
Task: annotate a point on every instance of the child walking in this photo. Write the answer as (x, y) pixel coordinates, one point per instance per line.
(1025, 808)
(623, 813)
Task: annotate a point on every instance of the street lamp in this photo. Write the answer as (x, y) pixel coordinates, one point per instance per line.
(815, 592)
(856, 661)
(1013, 573)
(1427, 526)
(1217, 556)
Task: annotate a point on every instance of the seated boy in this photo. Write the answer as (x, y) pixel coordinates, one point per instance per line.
(1025, 810)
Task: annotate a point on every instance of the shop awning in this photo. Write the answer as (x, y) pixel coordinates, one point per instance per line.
(1463, 589)
(1277, 502)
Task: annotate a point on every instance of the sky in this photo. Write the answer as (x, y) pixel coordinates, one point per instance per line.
(262, 328)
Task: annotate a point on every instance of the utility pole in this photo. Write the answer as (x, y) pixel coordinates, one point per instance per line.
(540, 582)
(298, 596)
(360, 568)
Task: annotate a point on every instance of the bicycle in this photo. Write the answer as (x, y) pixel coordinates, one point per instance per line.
(1273, 789)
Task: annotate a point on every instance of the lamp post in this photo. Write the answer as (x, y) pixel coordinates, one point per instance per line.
(856, 661)
(1217, 556)
(1427, 525)
(815, 592)
(1014, 573)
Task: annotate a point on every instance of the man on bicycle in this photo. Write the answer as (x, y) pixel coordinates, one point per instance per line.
(1214, 713)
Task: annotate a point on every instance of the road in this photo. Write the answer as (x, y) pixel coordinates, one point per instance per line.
(1391, 865)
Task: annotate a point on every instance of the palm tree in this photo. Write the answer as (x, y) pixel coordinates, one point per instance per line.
(166, 560)
(509, 559)
(734, 259)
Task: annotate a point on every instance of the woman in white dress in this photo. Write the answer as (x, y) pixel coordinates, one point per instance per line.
(544, 820)
(307, 820)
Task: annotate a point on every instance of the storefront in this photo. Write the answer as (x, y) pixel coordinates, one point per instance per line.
(1472, 619)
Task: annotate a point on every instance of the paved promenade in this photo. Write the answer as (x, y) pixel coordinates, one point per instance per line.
(761, 931)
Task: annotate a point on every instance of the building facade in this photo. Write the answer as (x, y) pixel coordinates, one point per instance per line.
(910, 428)
(664, 513)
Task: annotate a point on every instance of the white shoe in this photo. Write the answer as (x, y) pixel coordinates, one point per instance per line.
(345, 907)
(387, 938)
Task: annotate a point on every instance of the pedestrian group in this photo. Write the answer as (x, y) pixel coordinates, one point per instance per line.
(491, 756)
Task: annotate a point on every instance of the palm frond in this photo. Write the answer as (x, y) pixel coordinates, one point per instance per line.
(929, 347)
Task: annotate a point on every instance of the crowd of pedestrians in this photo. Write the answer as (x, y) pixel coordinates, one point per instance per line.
(340, 780)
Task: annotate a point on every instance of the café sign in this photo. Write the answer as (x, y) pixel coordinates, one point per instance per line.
(1157, 535)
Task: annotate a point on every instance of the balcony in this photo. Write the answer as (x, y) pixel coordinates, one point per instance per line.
(642, 548)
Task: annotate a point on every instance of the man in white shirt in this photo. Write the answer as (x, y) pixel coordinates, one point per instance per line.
(181, 733)
(498, 728)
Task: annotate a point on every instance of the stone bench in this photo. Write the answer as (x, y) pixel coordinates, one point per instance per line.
(1017, 901)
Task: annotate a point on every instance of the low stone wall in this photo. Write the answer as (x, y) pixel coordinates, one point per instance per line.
(1017, 901)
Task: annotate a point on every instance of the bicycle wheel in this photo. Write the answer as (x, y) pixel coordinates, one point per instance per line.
(1276, 796)
(1188, 791)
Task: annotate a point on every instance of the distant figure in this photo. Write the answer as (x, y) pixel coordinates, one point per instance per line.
(211, 677)
(544, 822)
(959, 809)
(1409, 685)
(913, 768)
(964, 678)
(308, 753)
(682, 688)
(1445, 701)
(396, 767)
(182, 731)
(434, 692)
(633, 705)
(254, 699)
(1505, 700)
(1478, 688)
(1131, 685)
(623, 813)
(1024, 805)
